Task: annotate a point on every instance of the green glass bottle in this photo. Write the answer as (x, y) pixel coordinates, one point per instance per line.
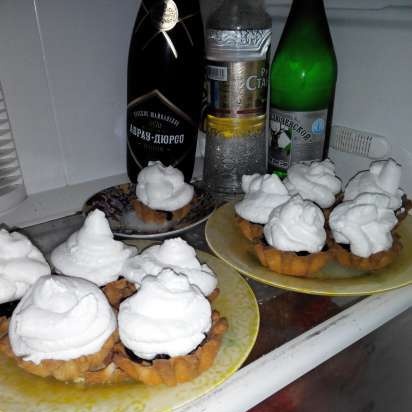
(302, 81)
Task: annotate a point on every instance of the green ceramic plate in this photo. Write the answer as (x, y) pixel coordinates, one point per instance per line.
(226, 241)
(22, 392)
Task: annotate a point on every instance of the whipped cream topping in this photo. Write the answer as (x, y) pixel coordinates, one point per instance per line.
(383, 177)
(21, 264)
(262, 194)
(92, 253)
(167, 316)
(364, 223)
(61, 318)
(163, 188)
(176, 254)
(315, 181)
(296, 226)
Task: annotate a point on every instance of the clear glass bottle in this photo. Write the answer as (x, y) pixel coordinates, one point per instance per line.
(238, 36)
(302, 88)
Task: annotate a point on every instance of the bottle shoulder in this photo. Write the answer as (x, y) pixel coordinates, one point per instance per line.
(234, 15)
(305, 55)
(303, 82)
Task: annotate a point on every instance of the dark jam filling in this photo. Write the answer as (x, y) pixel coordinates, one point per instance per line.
(136, 359)
(168, 215)
(301, 253)
(6, 309)
(345, 246)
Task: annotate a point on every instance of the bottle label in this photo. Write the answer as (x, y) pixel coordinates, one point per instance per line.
(237, 89)
(296, 137)
(164, 14)
(159, 130)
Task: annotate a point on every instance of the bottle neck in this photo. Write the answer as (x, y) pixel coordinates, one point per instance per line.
(240, 14)
(183, 7)
(246, 3)
(311, 8)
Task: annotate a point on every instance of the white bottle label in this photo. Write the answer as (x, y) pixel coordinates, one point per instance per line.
(296, 137)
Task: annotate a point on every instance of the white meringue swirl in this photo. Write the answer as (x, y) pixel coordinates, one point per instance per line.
(316, 182)
(383, 177)
(21, 264)
(61, 318)
(163, 188)
(176, 254)
(296, 226)
(167, 316)
(262, 194)
(364, 223)
(92, 253)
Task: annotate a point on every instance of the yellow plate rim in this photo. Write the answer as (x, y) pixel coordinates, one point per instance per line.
(292, 283)
(207, 384)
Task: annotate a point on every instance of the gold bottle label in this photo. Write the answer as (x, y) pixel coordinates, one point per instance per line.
(237, 89)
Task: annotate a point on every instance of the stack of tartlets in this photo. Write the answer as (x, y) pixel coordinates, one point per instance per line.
(317, 222)
(112, 315)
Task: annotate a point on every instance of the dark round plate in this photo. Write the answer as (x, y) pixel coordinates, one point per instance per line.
(115, 203)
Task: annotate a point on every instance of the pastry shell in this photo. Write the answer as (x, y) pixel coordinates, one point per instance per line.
(74, 370)
(374, 262)
(119, 290)
(177, 369)
(148, 215)
(290, 263)
(403, 211)
(251, 231)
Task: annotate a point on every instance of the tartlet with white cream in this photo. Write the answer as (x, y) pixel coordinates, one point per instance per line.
(92, 253)
(262, 193)
(63, 327)
(362, 232)
(175, 254)
(162, 195)
(295, 239)
(315, 181)
(382, 177)
(21, 264)
(168, 331)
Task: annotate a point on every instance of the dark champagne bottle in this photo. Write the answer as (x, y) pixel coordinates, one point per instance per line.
(302, 88)
(164, 85)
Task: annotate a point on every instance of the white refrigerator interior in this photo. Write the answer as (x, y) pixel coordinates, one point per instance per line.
(63, 73)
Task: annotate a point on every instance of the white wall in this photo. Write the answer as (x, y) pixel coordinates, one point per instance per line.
(63, 69)
(24, 79)
(86, 45)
